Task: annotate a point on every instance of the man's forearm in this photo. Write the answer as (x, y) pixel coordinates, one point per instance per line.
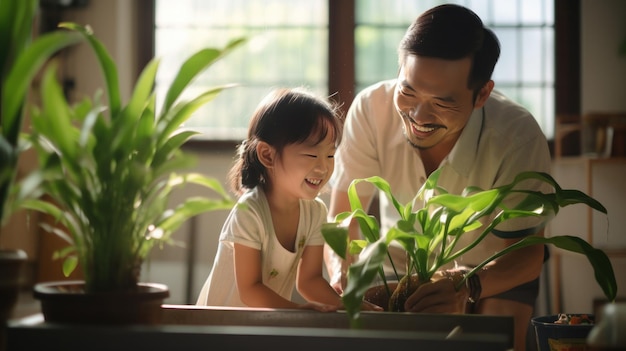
(513, 269)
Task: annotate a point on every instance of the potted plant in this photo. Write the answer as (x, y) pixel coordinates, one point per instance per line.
(429, 235)
(21, 58)
(108, 170)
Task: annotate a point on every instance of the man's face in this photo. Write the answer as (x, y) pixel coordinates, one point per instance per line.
(433, 99)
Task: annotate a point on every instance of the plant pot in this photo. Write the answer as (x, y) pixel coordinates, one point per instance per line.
(12, 263)
(67, 302)
(378, 296)
(399, 293)
(551, 336)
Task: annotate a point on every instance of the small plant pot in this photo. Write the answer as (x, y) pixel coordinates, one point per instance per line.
(11, 265)
(552, 336)
(399, 293)
(67, 302)
(378, 296)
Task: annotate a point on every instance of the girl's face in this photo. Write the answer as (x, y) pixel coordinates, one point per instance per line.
(303, 169)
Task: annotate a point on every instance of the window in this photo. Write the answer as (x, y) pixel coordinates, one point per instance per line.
(288, 46)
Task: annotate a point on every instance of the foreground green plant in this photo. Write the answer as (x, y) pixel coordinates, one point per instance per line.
(430, 235)
(109, 169)
(21, 58)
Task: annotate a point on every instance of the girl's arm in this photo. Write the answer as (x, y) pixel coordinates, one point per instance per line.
(310, 282)
(312, 285)
(254, 293)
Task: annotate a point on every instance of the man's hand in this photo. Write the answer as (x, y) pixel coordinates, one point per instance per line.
(439, 295)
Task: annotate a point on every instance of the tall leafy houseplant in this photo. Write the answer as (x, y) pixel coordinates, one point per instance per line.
(109, 168)
(21, 58)
(429, 235)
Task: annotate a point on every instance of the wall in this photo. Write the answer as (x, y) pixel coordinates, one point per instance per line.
(602, 179)
(603, 75)
(603, 88)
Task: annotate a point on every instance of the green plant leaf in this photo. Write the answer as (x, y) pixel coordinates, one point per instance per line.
(63, 236)
(56, 124)
(189, 208)
(143, 89)
(356, 246)
(188, 71)
(361, 274)
(568, 197)
(176, 161)
(369, 224)
(336, 236)
(183, 111)
(379, 183)
(164, 153)
(29, 186)
(15, 30)
(86, 139)
(209, 183)
(69, 265)
(45, 207)
(195, 64)
(27, 64)
(135, 129)
(600, 262)
(64, 252)
(109, 69)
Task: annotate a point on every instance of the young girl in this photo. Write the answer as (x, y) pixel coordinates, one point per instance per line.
(274, 242)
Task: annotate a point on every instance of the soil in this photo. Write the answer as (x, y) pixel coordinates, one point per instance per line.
(400, 292)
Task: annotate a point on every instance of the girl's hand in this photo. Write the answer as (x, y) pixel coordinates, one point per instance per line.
(368, 306)
(316, 306)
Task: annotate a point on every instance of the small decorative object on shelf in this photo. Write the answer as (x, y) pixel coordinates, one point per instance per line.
(563, 331)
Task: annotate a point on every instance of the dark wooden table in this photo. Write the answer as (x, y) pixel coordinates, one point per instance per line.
(191, 328)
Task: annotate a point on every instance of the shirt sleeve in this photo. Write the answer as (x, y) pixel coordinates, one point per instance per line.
(318, 214)
(244, 226)
(356, 156)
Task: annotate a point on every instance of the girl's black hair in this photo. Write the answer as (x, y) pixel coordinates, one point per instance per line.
(283, 117)
(453, 32)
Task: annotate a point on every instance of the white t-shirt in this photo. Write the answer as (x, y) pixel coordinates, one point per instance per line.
(499, 141)
(252, 226)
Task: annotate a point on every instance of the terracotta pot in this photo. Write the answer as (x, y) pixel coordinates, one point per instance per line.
(378, 295)
(12, 263)
(399, 292)
(405, 288)
(67, 302)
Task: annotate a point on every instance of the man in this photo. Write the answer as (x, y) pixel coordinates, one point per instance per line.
(442, 113)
